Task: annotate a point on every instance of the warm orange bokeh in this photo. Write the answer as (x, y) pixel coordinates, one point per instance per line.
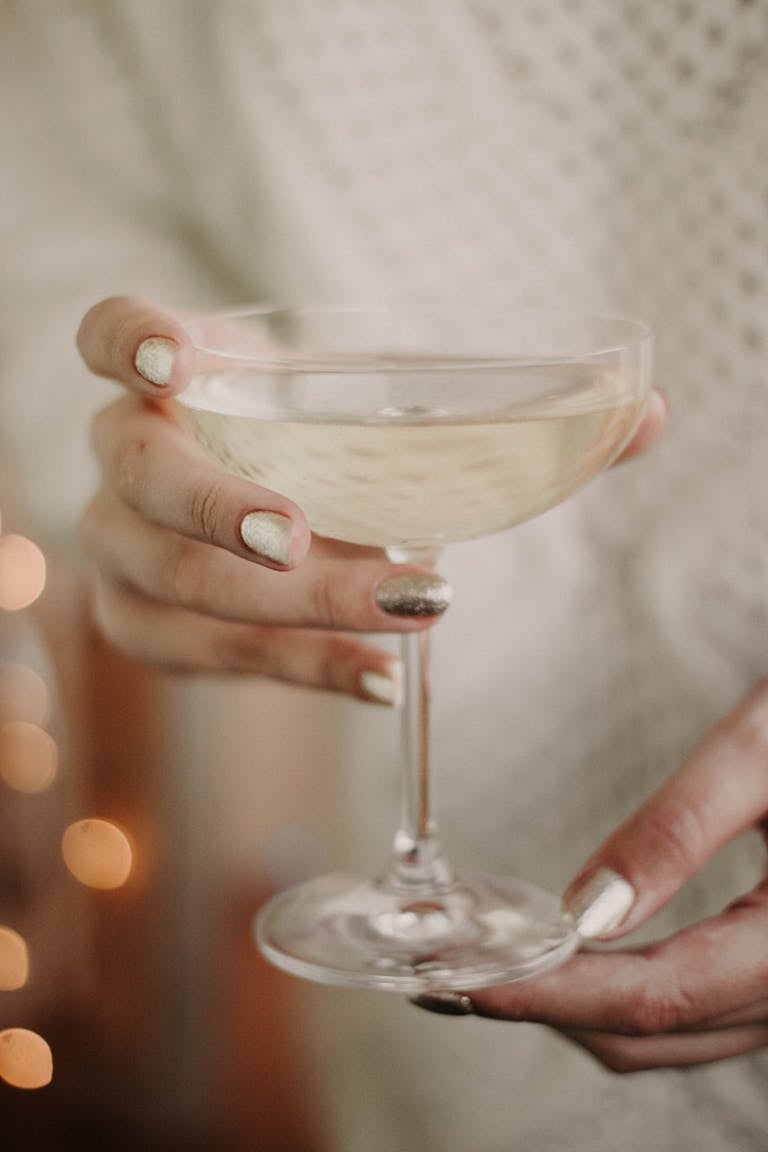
(22, 572)
(14, 960)
(29, 757)
(25, 1058)
(97, 853)
(23, 694)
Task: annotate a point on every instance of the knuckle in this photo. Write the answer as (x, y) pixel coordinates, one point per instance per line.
(676, 836)
(111, 621)
(116, 619)
(326, 608)
(656, 1011)
(205, 502)
(237, 649)
(184, 576)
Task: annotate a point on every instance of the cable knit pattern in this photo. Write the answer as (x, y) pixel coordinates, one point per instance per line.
(611, 155)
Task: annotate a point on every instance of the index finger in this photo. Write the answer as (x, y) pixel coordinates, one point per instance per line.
(129, 340)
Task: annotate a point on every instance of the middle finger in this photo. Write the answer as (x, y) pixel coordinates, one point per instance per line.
(365, 594)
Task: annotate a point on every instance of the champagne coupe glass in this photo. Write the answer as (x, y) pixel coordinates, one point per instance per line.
(408, 429)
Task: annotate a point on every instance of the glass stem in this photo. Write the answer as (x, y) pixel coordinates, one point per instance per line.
(418, 864)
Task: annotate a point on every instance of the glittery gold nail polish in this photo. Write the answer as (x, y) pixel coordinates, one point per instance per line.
(268, 534)
(414, 594)
(445, 1003)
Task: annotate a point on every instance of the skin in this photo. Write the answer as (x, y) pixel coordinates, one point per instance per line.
(175, 585)
(702, 994)
(173, 582)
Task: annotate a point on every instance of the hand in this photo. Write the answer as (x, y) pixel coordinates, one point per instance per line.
(702, 994)
(202, 571)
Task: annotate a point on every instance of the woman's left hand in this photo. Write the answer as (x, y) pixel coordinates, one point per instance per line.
(700, 995)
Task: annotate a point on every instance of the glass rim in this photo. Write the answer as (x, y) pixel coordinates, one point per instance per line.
(639, 335)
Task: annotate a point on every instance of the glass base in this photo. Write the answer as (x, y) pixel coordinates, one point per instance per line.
(479, 931)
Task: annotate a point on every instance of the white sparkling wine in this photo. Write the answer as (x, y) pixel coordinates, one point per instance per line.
(413, 477)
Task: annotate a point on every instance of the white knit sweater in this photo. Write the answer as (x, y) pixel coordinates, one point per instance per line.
(606, 154)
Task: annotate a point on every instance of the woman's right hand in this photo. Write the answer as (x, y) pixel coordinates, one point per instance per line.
(198, 570)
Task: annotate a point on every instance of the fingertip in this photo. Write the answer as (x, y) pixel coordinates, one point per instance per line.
(444, 1003)
(163, 364)
(413, 595)
(600, 903)
(128, 340)
(278, 539)
(382, 684)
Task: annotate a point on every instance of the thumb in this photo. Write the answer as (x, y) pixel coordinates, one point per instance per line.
(720, 790)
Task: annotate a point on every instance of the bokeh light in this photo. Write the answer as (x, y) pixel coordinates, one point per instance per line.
(23, 694)
(22, 572)
(25, 1058)
(97, 853)
(14, 960)
(29, 757)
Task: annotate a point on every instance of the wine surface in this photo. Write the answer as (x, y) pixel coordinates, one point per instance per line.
(409, 478)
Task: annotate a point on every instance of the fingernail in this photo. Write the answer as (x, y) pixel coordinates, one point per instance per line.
(154, 360)
(601, 904)
(268, 534)
(414, 594)
(384, 688)
(445, 1003)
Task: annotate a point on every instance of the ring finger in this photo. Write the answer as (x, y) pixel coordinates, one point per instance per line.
(185, 641)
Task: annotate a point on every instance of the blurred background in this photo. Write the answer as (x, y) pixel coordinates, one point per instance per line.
(136, 844)
(206, 154)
